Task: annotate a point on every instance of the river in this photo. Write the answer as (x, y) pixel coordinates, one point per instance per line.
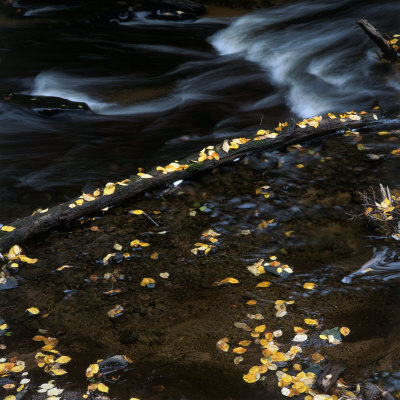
(160, 90)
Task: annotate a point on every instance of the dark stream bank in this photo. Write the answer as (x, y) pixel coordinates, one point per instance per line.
(160, 89)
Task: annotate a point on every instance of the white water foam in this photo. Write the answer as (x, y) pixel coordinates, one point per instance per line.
(316, 66)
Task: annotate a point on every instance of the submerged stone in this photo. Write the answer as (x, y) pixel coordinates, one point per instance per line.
(9, 283)
(45, 105)
(112, 364)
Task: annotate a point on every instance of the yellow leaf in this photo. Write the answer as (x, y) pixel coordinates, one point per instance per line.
(136, 212)
(92, 369)
(144, 176)
(18, 368)
(10, 397)
(260, 328)
(250, 378)
(317, 357)
(63, 359)
(33, 311)
(344, 330)
(229, 280)
(102, 387)
(251, 302)
(28, 260)
(309, 321)
(58, 371)
(239, 350)
(245, 342)
(309, 285)
(79, 202)
(264, 284)
(109, 189)
(7, 228)
(147, 281)
(368, 210)
(381, 133)
(154, 256)
(299, 166)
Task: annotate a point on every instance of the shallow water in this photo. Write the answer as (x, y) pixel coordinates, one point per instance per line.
(161, 89)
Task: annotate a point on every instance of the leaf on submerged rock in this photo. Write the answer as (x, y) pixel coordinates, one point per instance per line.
(6, 228)
(147, 282)
(331, 335)
(144, 176)
(257, 268)
(115, 311)
(277, 269)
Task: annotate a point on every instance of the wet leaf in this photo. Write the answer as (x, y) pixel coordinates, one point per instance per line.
(136, 212)
(251, 302)
(344, 330)
(245, 343)
(6, 228)
(115, 311)
(264, 284)
(317, 357)
(147, 281)
(239, 350)
(260, 328)
(230, 280)
(144, 176)
(164, 275)
(63, 359)
(58, 371)
(32, 311)
(154, 256)
(309, 285)
(300, 337)
(237, 360)
(309, 321)
(102, 387)
(109, 189)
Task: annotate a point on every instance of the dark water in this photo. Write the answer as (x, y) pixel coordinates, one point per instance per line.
(160, 90)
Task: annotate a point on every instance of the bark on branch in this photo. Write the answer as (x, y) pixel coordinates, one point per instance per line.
(40, 223)
(387, 50)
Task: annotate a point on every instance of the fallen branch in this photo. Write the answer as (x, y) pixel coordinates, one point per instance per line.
(208, 159)
(387, 50)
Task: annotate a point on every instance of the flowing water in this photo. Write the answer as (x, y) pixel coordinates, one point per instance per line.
(160, 90)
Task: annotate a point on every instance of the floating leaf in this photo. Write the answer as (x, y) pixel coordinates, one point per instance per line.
(115, 311)
(63, 359)
(344, 330)
(309, 285)
(309, 321)
(260, 328)
(300, 337)
(102, 387)
(32, 311)
(264, 284)
(317, 357)
(136, 212)
(251, 302)
(147, 281)
(6, 228)
(239, 350)
(229, 280)
(245, 342)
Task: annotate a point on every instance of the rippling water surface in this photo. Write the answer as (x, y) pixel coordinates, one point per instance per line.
(160, 90)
